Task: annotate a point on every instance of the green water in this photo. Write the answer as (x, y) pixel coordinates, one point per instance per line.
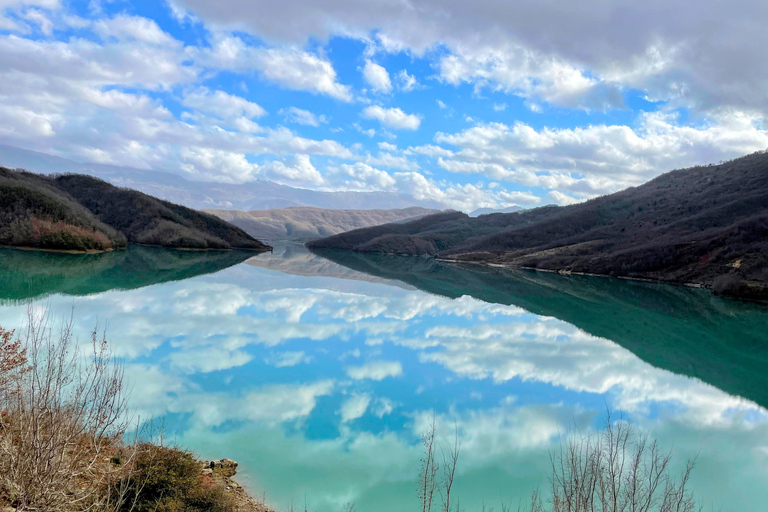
(319, 372)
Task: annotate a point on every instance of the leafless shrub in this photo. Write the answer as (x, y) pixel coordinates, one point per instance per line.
(616, 470)
(62, 415)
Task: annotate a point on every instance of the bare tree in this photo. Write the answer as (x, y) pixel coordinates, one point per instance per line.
(450, 454)
(61, 415)
(617, 470)
(426, 488)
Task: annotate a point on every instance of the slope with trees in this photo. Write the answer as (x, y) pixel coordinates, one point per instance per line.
(705, 225)
(77, 212)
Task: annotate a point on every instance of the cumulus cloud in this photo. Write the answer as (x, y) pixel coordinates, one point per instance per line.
(406, 82)
(289, 67)
(703, 56)
(392, 117)
(354, 407)
(221, 104)
(299, 171)
(377, 77)
(377, 370)
(597, 159)
(303, 117)
(361, 176)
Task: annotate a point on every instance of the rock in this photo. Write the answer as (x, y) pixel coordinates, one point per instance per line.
(215, 464)
(207, 471)
(228, 463)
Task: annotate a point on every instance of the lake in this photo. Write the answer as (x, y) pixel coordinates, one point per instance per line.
(318, 373)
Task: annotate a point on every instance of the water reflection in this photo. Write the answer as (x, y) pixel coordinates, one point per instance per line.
(32, 274)
(687, 331)
(320, 381)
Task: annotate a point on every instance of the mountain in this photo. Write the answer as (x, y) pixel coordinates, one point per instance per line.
(80, 212)
(309, 223)
(256, 195)
(706, 225)
(487, 211)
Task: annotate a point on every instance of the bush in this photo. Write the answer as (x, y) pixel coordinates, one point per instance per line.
(166, 479)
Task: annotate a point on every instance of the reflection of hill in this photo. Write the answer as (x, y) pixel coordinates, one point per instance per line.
(297, 260)
(683, 330)
(29, 274)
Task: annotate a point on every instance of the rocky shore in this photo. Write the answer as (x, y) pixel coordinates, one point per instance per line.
(221, 471)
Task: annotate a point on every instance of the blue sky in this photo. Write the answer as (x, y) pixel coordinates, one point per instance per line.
(486, 105)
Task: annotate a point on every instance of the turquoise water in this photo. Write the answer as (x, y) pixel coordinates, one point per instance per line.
(319, 372)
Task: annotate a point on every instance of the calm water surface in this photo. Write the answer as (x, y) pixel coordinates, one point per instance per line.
(318, 373)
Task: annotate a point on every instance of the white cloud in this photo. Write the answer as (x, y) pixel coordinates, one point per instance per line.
(708, 58)
(287, 359)
(406, 82)
(361, 176)
(291, 68)
(300, 171)
(598, 159)
(133, 28)
(221, 104)
(392, 117)
(354, 407)
(208, 360)
(386, 146)
(377, 77)
(429, 150)
(303, 117)
(378, 370)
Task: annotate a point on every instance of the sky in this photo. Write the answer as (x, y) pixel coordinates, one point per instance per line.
(472, 104)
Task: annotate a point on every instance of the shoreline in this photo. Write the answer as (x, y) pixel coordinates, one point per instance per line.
(563, 272)
(94, 251)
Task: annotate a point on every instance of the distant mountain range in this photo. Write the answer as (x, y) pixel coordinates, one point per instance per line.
(488, 211)
(301, 224)
(706, 225)
(257, 195)
(78, 212)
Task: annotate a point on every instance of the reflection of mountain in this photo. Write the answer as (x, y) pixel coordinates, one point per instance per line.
(683, 330)
(297, 260)
(30, 274)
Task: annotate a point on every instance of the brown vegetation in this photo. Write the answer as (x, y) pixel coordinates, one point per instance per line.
(62, 436)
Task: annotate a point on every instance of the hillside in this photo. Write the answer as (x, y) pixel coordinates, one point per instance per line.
(35, 213)
(81, 212)
(706, 225)
(309, 223)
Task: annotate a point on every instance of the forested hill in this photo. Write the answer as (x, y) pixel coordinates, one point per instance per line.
(77, 212)
(706, 224)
